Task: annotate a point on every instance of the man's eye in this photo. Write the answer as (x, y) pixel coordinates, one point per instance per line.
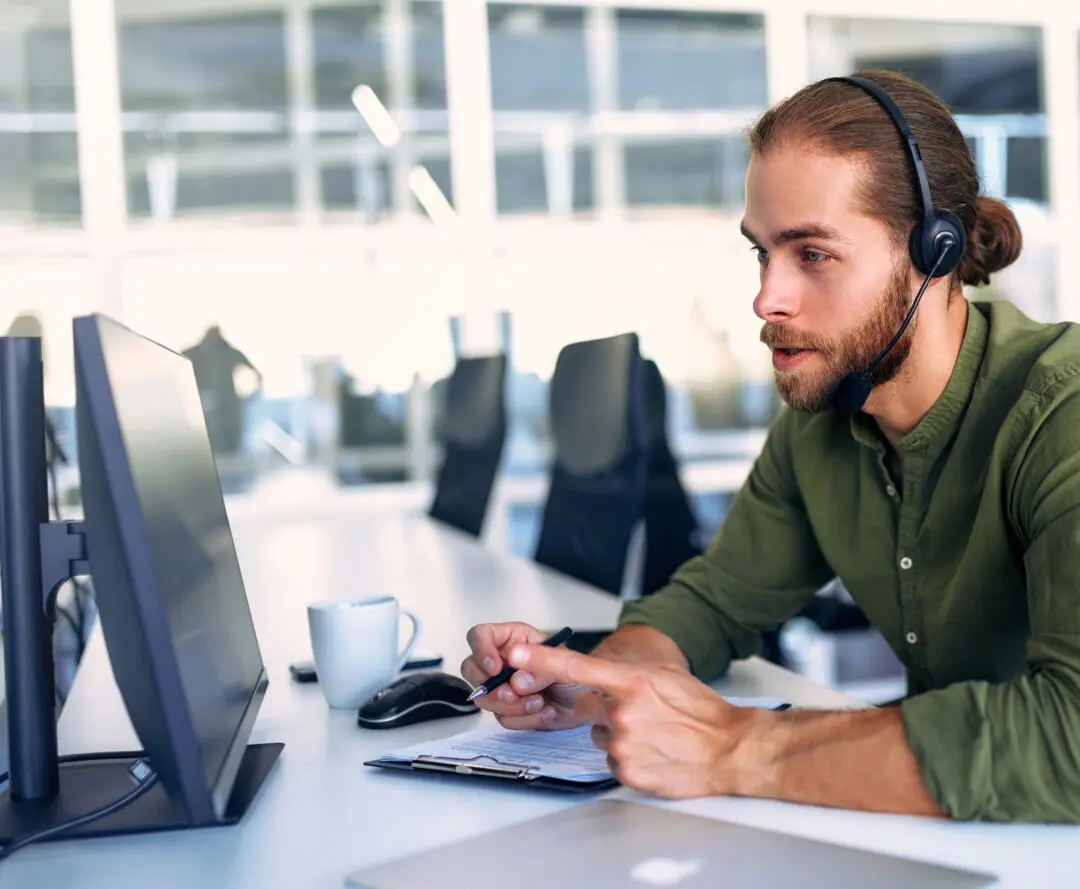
(761, 253)
(814, 256)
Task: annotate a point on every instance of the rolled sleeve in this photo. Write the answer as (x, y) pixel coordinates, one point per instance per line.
(1008, 752)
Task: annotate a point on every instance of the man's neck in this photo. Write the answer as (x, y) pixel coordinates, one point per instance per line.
(900, 405)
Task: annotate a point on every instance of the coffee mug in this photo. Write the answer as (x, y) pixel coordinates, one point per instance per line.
(355, 647)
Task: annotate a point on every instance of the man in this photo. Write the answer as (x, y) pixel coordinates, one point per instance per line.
(215, 361)
(949, 505)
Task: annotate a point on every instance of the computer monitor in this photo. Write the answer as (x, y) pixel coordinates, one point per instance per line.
(172, 602)
(171, 599)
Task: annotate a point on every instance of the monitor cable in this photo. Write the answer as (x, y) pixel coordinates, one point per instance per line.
(76, 621)
(140, 771)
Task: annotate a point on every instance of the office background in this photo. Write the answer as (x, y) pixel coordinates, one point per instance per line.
(358, 193)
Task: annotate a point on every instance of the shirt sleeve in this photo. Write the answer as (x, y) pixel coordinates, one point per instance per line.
(761, 568)
(1011, 751)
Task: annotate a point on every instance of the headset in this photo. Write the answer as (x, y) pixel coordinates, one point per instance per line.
(937, 245)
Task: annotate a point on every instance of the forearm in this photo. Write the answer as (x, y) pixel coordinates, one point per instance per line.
(856, 760)
(640, 644)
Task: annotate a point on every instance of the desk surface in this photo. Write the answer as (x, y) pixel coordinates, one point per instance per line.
(322, 814)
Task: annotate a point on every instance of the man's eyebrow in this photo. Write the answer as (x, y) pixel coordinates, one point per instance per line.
(815, 230)
(746, 233)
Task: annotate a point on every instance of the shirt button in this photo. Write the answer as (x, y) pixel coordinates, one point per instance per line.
(905, 563)
(911, 638)
(890, 490)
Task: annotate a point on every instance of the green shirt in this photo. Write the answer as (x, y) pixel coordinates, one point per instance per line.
(969, 566)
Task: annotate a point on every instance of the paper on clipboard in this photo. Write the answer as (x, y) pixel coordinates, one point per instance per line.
(568, 754)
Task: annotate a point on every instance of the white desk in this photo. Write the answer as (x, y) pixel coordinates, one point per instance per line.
(321, 814)
(311, 491)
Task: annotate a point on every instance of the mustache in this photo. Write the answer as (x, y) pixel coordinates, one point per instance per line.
(777, 336)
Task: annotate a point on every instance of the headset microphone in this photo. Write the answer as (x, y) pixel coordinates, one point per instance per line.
(937, 245)
(853, 390)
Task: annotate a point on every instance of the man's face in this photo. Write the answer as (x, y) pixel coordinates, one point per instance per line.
(834, 287)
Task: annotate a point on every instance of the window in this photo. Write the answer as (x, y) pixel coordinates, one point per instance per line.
(39, 170)
(538, 60)
(540, 94)
(689, 60)
(402, 61)
(687, 173)
(692, 82)
(205, 101)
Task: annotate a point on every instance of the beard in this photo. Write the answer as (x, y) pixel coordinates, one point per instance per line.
(810, 389)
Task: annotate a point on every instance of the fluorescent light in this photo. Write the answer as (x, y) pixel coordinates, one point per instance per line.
(430, 196)
(376, 116)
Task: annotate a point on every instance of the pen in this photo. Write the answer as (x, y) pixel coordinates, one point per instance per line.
(503, 677)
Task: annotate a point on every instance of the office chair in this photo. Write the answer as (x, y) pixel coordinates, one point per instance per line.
(472, 433)
(599, 469)
(671, 526)
(368, 423)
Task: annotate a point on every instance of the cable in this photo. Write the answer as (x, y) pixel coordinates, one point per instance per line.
(76, 758)
(942, 253)
(78, 624)
(64, 613)
(49, 832)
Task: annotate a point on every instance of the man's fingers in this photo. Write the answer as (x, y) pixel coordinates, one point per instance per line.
(488, 640)
(590, 707)
(529, 706)
(564, 665)
(482, 640)
(548, 719)
(601, 736)
(520, 723)
(471, 672)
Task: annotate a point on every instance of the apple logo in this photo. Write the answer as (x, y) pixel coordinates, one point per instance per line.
(665, 871)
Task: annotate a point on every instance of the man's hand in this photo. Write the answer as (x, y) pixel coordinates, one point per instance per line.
(664, 731)
(529, 700)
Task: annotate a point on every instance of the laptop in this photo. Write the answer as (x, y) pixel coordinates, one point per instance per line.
(615, 844)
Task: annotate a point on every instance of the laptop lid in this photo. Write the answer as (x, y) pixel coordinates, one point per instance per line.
(615, 844)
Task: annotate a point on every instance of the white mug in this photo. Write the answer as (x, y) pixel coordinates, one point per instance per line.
(355, 647)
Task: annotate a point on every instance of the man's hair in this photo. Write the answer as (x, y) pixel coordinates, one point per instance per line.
(841, 119)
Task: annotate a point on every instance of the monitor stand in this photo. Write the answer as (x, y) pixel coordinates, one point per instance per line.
(89, 785)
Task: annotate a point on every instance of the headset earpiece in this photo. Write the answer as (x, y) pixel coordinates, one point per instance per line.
(927, 244)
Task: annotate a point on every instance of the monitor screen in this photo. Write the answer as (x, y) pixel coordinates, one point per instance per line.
(173, 605)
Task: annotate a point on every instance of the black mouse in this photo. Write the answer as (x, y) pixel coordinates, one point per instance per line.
(417, 697)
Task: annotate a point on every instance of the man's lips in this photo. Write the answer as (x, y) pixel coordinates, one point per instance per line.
(787, 358)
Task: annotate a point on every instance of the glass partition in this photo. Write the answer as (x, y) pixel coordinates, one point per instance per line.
(39, 170)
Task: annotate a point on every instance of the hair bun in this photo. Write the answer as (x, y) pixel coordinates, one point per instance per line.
(994, 243)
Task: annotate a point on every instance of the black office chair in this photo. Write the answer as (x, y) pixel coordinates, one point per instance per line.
(367, 422)
(472, 433)
(671, 526)
(599, 469)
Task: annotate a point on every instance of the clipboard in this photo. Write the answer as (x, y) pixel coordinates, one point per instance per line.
(471, 761)
(482, 767)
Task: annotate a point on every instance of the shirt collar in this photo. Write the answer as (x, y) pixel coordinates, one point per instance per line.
(947, 411)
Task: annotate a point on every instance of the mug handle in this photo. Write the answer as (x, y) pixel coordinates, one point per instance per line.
(403, 657)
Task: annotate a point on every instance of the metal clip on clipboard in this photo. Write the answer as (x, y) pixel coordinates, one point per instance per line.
(469, 766)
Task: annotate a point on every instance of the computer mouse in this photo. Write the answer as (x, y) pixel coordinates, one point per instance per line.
(417, 697)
